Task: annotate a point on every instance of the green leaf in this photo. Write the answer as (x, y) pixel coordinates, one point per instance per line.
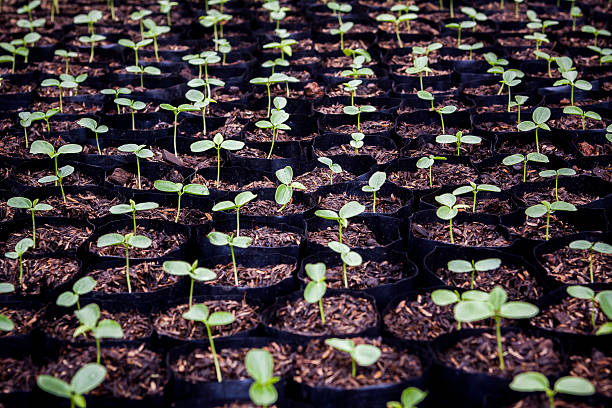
(110, 239)
(6, 324)
(530, 381)
(203, 274)
(19, 202)
(66, 299)
(351, 110)
(244, 197)
(537, 157)
(202, 146)
(241, 242)
(412, 396)
(88, 315)
(42, 147)
(88, 378)
(580, 292)
(263, 394)
(326, 214)
(574, 386)
(605, 328)
(459, 266)
(108, 329)
(178, 268)
(139, 241)
(168, 186)
(285, 175)
(54, 386)
(518, 310)
(602, 248)
(196, 189)
(572, 110)
(218, 238)
(346, 345)
(488, 264)
(120, 209)
(446, 110)
(351, 258)
(314, 291)
(232, 145)
(84, 285)
(6, 288)
(446, 213)
(580, 244)
(283, 194)
(221, 319)
(472, 311)
(444, 297)
(446, 199)
(316, 271)
(366, 354)
(536, 211)
(514, 159)
(338, 247)
(197, 313)
(526, 126)
(260, 365)
(351, 209)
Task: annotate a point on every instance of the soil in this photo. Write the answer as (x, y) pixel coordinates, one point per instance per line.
(17, 375)
(321, 176)
(39, 275)
(263, 236)
(379, 153)
(49, 238)
(578, 199)
(595, 367)
(25, 320)
(369, 274)
(356, 235)
(384, 205)
(535, 228)
(251, 277)
(570, 316)
(474, 234)
(505, 177)
(270, 208)
(145, 277)
(163, 243)
(233, 186)
(571, 267)
(442, 174)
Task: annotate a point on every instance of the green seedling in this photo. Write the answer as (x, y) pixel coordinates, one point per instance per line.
(277, 12)
(519, 158)
(195, 273)
(361, 354)
(448, 210)
(132, 207)
(46, 116)
(609, 133)
(539, 38)
(334, 168)
(28, 8)
(277, 120)
(596, 32)
(61, 86)
(32, 207)
(176, 111)
(463, 25)
(66, 55)
(165, 6)
(272, 64)
(510, 78)
(427, 49)
(240, 200)
(341, 30)
(471, 48)
(497, 307)
(375, 182)
(6, 324)
(200, 313)
(419, 66)
(426, 96)
(141, 152)
(284, 192)
(445, 110)
(140, 16)
(605, 54)
(584, 293)
(284, 46)
(200, 101)
(427, 162)
(86, 379)
(547, 208)
(141, 70)
(355, 110)
(25, 120)
(14, 49)
(217, 143)
(457, 139)
(20, 248)
(591, 247)
(474, 14)
(180, 189)
(221, 239)
(260, 366)
(89, 317)
(445, 297)
(474, 189)
(62, 173)
(575, 110)
(348, 257)
(356, 68)
(575, 13)
(518, 101)
(133, 105)
(397, 21)
(81, 287)
(127, 241)
(546, 57)
(411, 397)
(348, 210)
(462, 266)
(153, 32)
(216, 20)
(316, 288)
(357, 141)
(532, 381)
(276, 78)
(569, 78)
(77, 80)
(91, 40)
(116, 93)
(90, 19)
(556, 173)
(44, 147)
(497, 64)
(92, 125)
(351, 87)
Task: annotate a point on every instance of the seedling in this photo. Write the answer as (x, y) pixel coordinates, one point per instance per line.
(419, 66)
(201, 102)
(81, 287)
(77, 80)
(510, 78)
(20, 248)
(165, 6)
(276, 78)
(176, 111)
(397, 21)
(575, 110)
(221, 239)
(605, 304)
(362, 354)
(46, 116)
(333, 167)
(141, 70)
(116, 92)
(518, 158)
(592, 247)
(195, 273)
(348, 257)
(6, 324)
(66, 55)
(260, 366)
(539, 38)
(547, 208)
(28, 8)
(575, 13)
(90, 19)
(474, 189)
(497, 64)
(426, 50)
(448, 210)
(277, 12)
(91, 40)
(582, 292)
(427, 162)
(356, 68)
(180, 189)
(284, 192)
(133, 105)
(32, 207)
(217, 143)
(141, 152)
(214, 19)
(277, 120)
(458, 138)
(240, 200)
(411, 397)
(445, 110)
(357, 141)
(84, 380)
(518, 101)
(462, 266)
(89, 317)
(460, 26)
(284, 46)
(375, 182)
(351, 87)
(200, 313)
(471, 48)
(596, 32)
(132, 207)
(316, 288)
(127, 241)
(14, 50)
(153, 32)
(44, 147)
(348, 210)
(355, 110)
(272, 64)
(445, 297)
(94, 127)
(140, 17)
(62, 173)
(25, 120)
(532, 381)
(556, 173)
(569, 78)
(64, 84)
(474, 14)
(341, 30)
(497, 307)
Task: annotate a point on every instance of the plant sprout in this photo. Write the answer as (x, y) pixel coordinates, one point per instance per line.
(141, 70)
(32, 207)
(260, 366)
(140, 17)
(221, 239)
(348, 210)
(474, 189)
(25, 120)
(218, 143)
(195, 273)
(128, 241)
(92, 40)
(591, 247)
(89, 317)
(20, 248)
(518, 101)
(277, 120)
(448, 210)
(240, 200)
(420, 65)
(462, 266)
(375, 182)
(91, 124)
(461, 26)
(556, 173)
(284, 192)
(445, 297)
(165, 6)
(46, 116)
(426, 50)
(355, 110)
(518, 158)
(348, 257)
(458, 138)
(427, 162)
(28, 8)
(215, 19)
(84, 380)
(180, 189)
(471, 48)
(547, 208)
(133, 105)
(81, 287)
(497, 64)
(362, 354)
(90, 19)
(132, 207)
(510, 78)
(153, 32)
(64, 84)
(341, 30)
(276, 78)
(333, 167)
(176, 111)
(116, 92)
(357, 141)
(569, 78)
(201, 102)
(575, 110)
(200, 313)
(445, 110)
(397, 21)
(411, 397)
(140, 151)
(66, 55)
(62, 173)
(532, 381)
(596, 32)
(584, 293)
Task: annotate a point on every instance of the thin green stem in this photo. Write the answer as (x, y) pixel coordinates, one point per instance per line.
(500, 351)
(474, 203)
(547, 223)
(524, 169)
(218, 164)
(191, 293)
(344, 274)
(174, 134)
(238, 221)
(340, 231)
(353, 367)
(178, 208)
(274, 130)
(214, 353)
(62, 190)
(451, 231)
(537, 142)
(33, 229)
(138, 171)
(321, 311)
(591, 259)
(127, 267)
(20, 269)
(134, 220)
(98, 144)
(234, 265)
(374, 203)
(269, 98)
(98, 350)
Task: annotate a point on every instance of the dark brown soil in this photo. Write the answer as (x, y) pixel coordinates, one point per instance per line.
(39, 275)
(379, 153)
(145, 277)
(535, 228)
(321, 177)
(369, 274)
(572, 267)
(162, 244)
(597, 368)
(442, 174)
(535, 197)
(356, 235)
(505, 177)
(252, 277)
(24, 320)
(225, 185)
(31, 178)
(570, 316)
(263, 236)
(472, 234)
(384, 205)
(80, 206)
(270, 208)
(49, 238)
(16, 375)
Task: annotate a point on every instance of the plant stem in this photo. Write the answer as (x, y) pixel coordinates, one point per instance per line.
(234, 265)
(33, 229)
(591, 263)
(60, 100)
(62, 190)
(91, 52)
(451, 231)
(593, 315)
(331, 177)
(97, 350)
(353, 367)
(321, 311)
(155, 48)
(374, 203)
(442, 120)
(20, 269)
(25, 130)
(191, 293)
(174, 134)
(430, 177)
(138, 170)
(218, 165)
(557, 187)
(525, 169)
(127, 267)
(500, 351)
(474, 204)
(134, 220)
(98, 144)
(214, 353)
(340, 231)
(55, 164)
(178, 208)
(273, 139)
(397, 34)
(269, 98)
(238, 221)
(133, 124)
(547, 223)
(537, 142)
(421, 80)
(344, 274)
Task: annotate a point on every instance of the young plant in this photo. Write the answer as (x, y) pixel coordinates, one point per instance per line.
(457, 139)
(445, 110)
(132, 207)
(116, 92)
(180, 189)
(463, 25)
(510, 78)
(591, 247)
(277, 120)
(217, 143)
(135, 46)
(362, 354)
(604, 299)
(77, 80)
(176, 111)
(89, 317)
(341, 30)
(316, 288)
(497, 64)
(86, 379)
(348, 210)
(518, 101)
(240, 200)
(556, 173)
(91, 40)
(596, 32)
(284, 192)
(419, 66)
(140, 151)
(547, 208)
(575, 110)
(128, 241)
(427, 162)
(397, 21)
(276, 78)
(81, 287)
(358, 110)
(140, 17)
(532, 381)
(411, 397)
(333, 167)
(46, 116)
(582, 292)
(141, 70)
(133, 105)
(356, 141)
(66, 55)
(260, 366)
(348, 257)
(62, 173)
(445, 297)
(375, 182)
(448, 210)
(90, 19)
(221, 239)
(60, 86)
(165, 6)
(462, 266)
(201, 102)
(14, 50)
(32, 207)
(195, 273)
(426, 50)
(474, 189)
(25, 120)
(569, 78)
(519, 158)
(215, 19)
(496, 306)
(20, 248)
(94, 127)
